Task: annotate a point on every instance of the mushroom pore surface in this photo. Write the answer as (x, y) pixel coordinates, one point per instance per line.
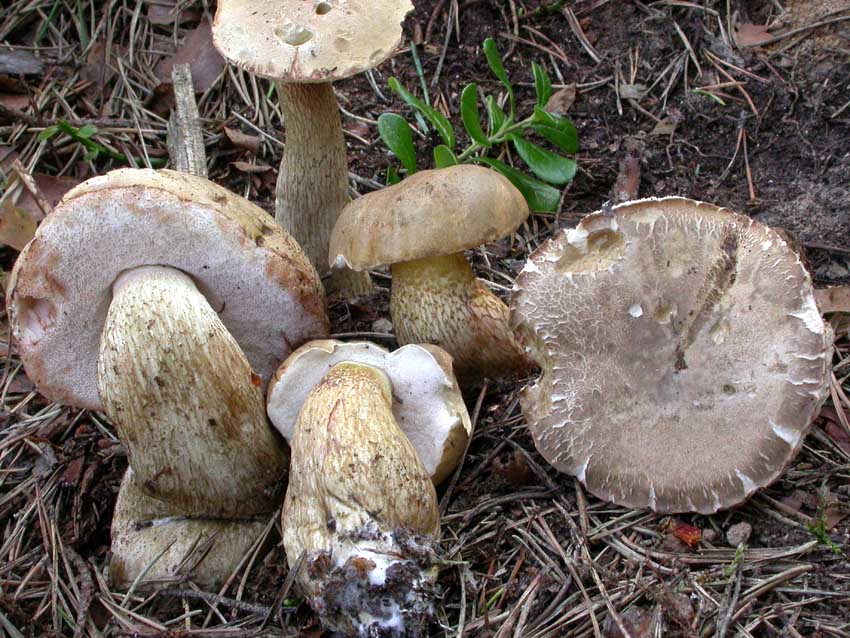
(183, 398)
(361, 509)
(683, 356)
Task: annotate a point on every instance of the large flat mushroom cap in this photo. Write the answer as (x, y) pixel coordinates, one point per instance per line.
(252, 272)
(683, 356)
(308, 40)
(427, 403)
(429, 214)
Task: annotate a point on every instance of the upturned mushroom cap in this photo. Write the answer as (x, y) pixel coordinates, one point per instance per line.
(431, 213)
(683, 356)
(427, 405)
(308, 40)
(253, 274)
(149, 534)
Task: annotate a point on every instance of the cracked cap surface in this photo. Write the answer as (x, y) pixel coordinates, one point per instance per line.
(683, 356)
(308, 40)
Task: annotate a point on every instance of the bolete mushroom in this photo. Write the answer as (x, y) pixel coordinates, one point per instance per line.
(168, 302)
(683, 355)
(421, 226)
(360, 509)
(305, 46)
(427, 404)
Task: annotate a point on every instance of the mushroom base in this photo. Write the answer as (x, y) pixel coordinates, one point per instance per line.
(151, 540)
(376, 584)
(439, 300)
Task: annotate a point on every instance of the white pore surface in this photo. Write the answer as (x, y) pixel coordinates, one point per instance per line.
(420, 386)
(81, 249)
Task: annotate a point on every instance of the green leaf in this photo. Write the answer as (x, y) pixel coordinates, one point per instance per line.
(87, 131)
(542, 84)
(396, 134)
(494, 60)
(392, 176)
(539, 195)
(443, 157)
(495, 115)
(91, 155)
(437, 119)
(47, 133)
(548, 166)
(469, 114)
(558, 130)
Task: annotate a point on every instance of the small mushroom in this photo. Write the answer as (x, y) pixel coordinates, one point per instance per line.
(422, 226)
(427, 404)
(683, 355)
(305, 45)
(167, 302)
(360, 509)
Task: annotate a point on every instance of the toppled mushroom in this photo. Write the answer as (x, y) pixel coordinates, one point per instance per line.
(683, 356)
(427, 405)
(422, 226)
(305, 46)
(360, 509)
(167, 302)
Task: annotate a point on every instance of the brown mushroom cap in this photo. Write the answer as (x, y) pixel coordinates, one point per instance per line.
(308, 40)
(427, 405)
(683, 356)
(253, 274)
(431, 213)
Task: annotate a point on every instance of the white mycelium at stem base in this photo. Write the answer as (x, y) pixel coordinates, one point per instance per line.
(439, 300)
(361, 508)
(184, 399)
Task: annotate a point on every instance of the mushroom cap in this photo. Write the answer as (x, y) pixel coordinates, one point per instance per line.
(683, 356)
(252, 272)
(431, 213)
(308, 41)
(427, 405)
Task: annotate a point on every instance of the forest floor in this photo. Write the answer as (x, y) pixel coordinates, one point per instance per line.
(740, 103)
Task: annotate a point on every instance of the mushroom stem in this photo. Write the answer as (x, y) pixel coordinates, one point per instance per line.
(439, 300)
(361, 508)
(312, 185)
(184, 399)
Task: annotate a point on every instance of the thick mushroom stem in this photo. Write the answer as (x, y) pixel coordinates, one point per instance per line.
(439, 300)
(361, 509)
(184, 399)
(312, 185)
(155, 538)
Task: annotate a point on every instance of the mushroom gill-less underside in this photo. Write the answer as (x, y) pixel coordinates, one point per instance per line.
(683, 356)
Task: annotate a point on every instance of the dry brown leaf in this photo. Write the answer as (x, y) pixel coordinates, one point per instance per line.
(748, 34)
(243, 140)
(14, 101)
(21, 213)
(834, 513)
(198, 52)
(665, 126)
(247, 167)
(833, 299)
(163, 12)
(561, 100)
(17, 226)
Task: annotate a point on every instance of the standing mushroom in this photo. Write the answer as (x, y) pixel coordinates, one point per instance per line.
(360, 509)
(683, 356)
(305, 46)
(167, 302)
(427, 404)
(422, 226)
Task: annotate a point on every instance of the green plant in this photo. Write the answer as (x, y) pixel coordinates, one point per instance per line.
(83, 136)
(503, 128)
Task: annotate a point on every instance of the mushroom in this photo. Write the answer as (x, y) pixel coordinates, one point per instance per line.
(421, 226)
(683, 355)
(360, 509)
(167, 302)
(304, 47)
(427, 405)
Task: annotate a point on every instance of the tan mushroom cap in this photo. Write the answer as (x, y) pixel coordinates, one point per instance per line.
(252, 273)
(431, 213)
(308, 40)
(683, 356)
(427, 405)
